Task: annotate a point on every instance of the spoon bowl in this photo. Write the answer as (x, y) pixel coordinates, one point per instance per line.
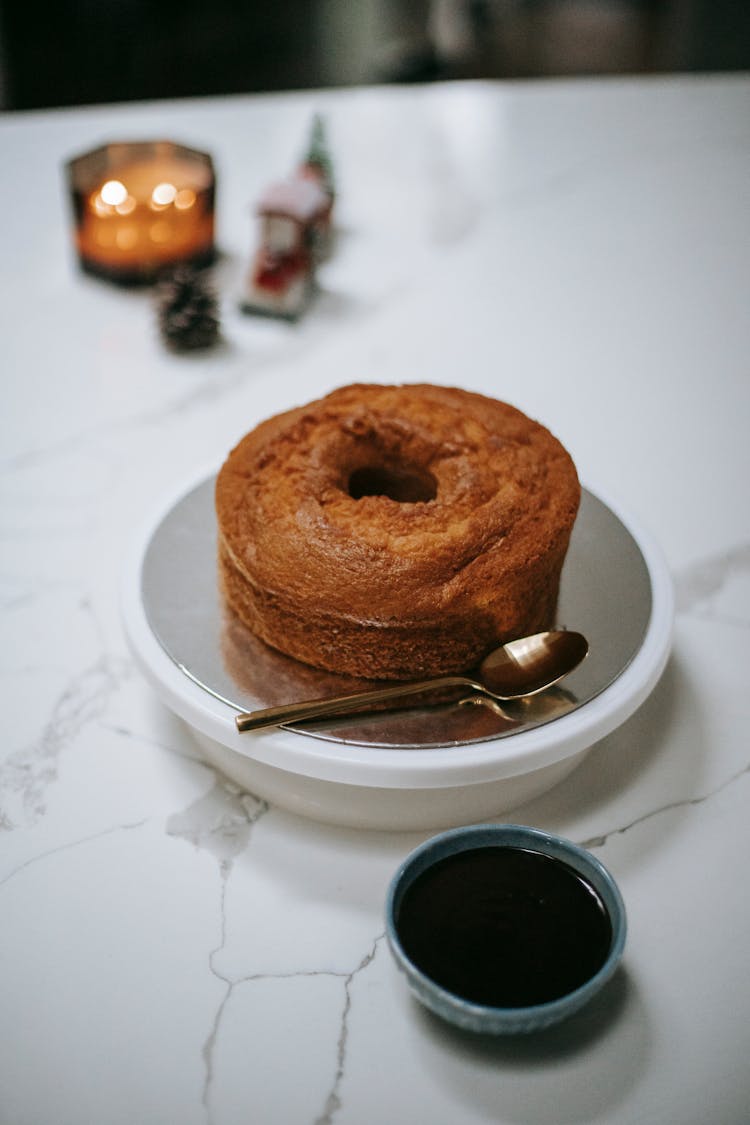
(520, 668)
(531, 664)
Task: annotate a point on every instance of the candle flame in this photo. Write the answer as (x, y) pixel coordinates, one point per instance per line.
(163, 195)
(184, 199)
(113, 193)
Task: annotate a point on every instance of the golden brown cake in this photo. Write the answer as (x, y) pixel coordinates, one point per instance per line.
(394, 532)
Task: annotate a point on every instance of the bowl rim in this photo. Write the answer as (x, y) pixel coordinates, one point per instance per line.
(484, 1017)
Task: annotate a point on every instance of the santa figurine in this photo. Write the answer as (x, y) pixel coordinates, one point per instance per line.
(295, 234)
(293, 215)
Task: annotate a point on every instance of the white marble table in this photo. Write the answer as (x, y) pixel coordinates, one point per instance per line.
(173, 951)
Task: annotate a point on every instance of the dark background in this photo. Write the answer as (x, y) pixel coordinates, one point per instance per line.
(94, 51)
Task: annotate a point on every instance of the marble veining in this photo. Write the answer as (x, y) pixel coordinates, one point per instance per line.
(69, 845)
(601, 841)
(700, 587)
(221, 821)
(333, 1100)
(28, 772)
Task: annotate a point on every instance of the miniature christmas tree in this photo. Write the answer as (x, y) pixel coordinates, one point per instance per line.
(318, 158)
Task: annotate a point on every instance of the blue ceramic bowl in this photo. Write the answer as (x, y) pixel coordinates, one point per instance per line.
(479, 1017)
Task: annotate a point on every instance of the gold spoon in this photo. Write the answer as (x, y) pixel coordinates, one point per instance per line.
(522, 667)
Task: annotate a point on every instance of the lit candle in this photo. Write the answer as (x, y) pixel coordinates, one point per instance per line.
(140, 208)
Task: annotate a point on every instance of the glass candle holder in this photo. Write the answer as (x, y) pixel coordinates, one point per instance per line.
(141, 208)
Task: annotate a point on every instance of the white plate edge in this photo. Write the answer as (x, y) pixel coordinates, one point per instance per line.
(396, 767)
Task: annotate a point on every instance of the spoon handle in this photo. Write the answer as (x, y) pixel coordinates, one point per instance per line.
(335, 705)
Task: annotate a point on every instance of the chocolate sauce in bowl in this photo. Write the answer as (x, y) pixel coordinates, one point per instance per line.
(504, 926)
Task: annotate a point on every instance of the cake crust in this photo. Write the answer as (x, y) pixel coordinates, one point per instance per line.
(394, 532)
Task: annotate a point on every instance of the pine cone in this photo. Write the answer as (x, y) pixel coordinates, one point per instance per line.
(188, 310)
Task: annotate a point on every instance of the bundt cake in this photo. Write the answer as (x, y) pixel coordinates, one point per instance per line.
(395, 532)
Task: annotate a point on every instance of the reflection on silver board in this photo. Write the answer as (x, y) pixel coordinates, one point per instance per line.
(605, 593)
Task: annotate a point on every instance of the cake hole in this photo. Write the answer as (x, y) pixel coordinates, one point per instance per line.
(406, 486)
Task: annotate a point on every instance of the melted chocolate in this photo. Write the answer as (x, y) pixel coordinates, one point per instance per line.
(504, 927)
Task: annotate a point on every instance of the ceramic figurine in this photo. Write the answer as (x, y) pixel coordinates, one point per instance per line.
(282, 272)
(295, 234)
